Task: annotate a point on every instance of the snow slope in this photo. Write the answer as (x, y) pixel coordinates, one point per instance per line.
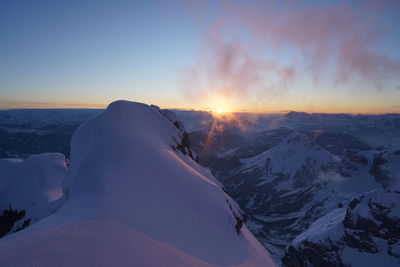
(33, 186)
(296, 151)
(364, 233)
(286, 188)
(135, 199)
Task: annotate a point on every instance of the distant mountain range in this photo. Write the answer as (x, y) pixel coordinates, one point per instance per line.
(291, 184)
(25, 132)
(316, 189)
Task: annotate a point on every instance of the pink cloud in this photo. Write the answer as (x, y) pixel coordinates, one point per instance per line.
(335, 42)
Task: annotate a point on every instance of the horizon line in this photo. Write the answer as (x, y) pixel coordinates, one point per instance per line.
(208, 110)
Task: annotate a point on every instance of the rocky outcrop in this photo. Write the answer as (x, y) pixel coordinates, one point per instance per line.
(366, 230)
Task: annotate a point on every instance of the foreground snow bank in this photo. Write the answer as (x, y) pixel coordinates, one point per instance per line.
(30, 189)
(136, 198)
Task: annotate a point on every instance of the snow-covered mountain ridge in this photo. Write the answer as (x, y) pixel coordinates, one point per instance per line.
(364, 233)
(287, 188)
(135, 197)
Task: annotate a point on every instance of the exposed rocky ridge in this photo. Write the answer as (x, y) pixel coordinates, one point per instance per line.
(367, 229)
(288, 187)
(182, 143)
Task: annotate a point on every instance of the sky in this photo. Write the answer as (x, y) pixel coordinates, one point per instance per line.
(254, 55)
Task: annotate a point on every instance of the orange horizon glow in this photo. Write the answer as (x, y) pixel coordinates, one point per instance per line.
(217, 111)
(216, 104)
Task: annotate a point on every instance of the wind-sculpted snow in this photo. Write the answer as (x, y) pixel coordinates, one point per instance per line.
(30, 189)
(133, 199)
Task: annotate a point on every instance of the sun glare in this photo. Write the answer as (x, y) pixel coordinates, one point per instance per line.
(220, 111)
(219, 105)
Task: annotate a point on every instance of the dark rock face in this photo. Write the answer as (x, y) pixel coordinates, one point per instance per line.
(184, 146)
(239, 216)
(267, 207)
(183, 143)
(371, 225)
(9, 218)
(311, 254)
(383, 222)
(378, 171)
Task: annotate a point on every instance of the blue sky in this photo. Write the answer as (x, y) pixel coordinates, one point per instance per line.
(95, 52)
(89, 53)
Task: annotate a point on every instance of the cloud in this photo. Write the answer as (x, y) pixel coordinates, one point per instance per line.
(322, 42)
(338, 34)
(231, 69)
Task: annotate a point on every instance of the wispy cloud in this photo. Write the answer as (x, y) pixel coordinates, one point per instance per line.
(318, 41)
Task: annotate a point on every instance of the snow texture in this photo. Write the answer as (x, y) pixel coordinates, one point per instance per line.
(132, 200)
(33, 185)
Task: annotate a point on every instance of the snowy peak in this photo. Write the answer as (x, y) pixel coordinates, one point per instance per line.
(364, 233)
(179, 139)
(130, 187)
(299, 139)
(297, 115)
(293, 154)
(296, 137)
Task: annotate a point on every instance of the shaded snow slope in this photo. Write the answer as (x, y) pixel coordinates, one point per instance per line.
(277, 189)
(364, 233)
(282, 162)
(33, 187)
(288, 187)
(135, 199)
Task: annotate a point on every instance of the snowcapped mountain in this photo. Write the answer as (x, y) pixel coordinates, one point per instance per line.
(278, 188)
(371, 130)
(375, 130)
(30, 190)
(282, 164)
(34, 118)
(295, 175)
(287, 188)
(221, 151)
(364, 233)
(135, 197)
(26, 132)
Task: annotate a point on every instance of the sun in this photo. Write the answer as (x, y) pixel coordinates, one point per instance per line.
(219, 110)
(219, 105)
